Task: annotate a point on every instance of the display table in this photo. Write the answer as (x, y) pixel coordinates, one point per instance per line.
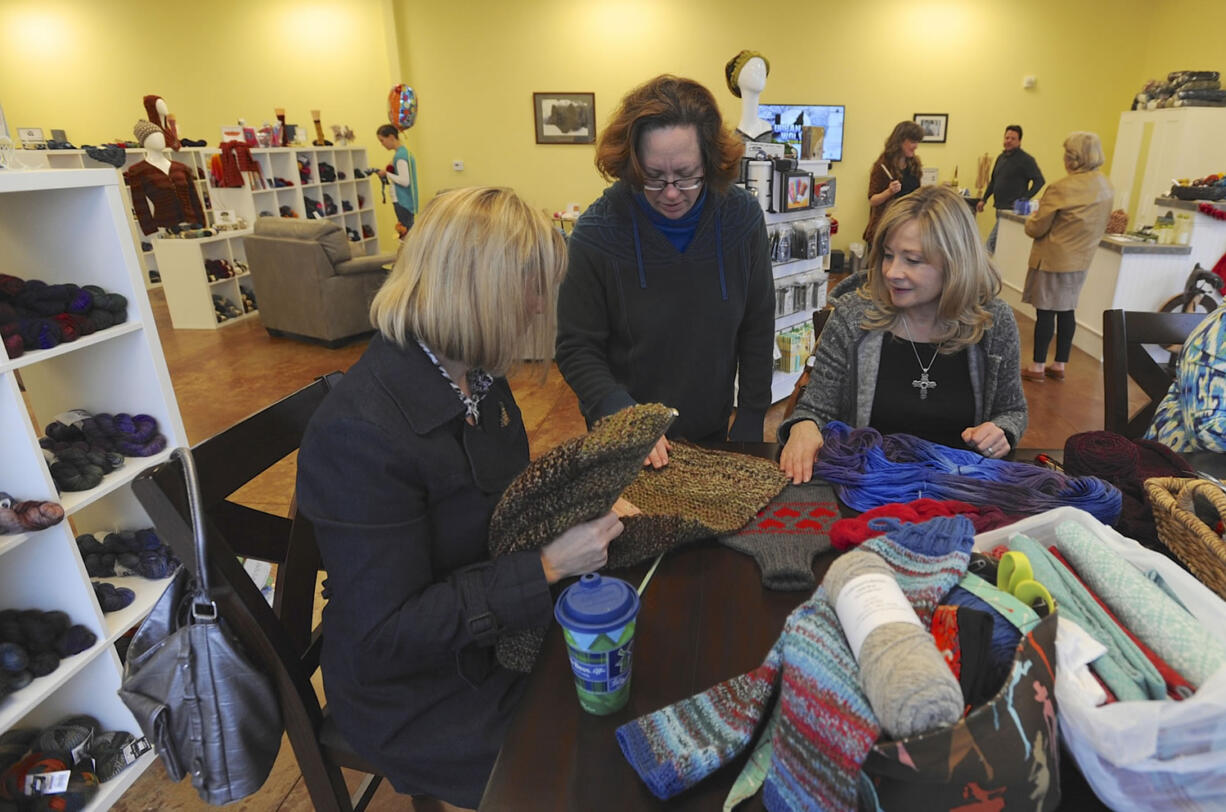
(1124, 274)
(705, 618)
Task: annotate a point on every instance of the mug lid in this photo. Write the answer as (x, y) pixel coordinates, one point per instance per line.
(597, 601)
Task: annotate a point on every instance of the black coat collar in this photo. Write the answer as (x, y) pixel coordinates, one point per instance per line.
(415, 384)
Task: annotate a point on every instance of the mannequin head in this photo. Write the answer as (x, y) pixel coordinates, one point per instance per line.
(155, 142)
(739, 73)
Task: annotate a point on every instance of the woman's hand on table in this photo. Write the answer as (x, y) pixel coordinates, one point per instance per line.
(583, 548)
(658, 457)
(800, 451)
(988, 439)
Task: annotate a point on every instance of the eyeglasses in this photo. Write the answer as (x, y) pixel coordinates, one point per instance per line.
(682, 184)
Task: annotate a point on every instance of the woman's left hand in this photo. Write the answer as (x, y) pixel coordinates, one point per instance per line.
(988, 439)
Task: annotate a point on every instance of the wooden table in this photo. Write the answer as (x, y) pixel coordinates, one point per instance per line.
(705, 618)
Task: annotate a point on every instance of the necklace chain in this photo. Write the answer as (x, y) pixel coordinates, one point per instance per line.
(937, 352)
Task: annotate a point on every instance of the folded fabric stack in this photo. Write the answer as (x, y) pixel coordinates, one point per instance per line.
(1186, 88)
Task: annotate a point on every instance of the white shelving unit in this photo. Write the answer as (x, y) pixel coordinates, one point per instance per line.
(782, 383)
(189, 293)
(196, 158)
(120, 369)
(282, 162)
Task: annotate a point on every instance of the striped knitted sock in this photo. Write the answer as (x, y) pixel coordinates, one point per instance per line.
(826, 726)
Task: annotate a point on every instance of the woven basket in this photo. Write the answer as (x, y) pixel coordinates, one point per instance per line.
(1179, 528)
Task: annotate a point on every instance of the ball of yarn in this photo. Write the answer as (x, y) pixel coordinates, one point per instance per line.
(81, 789)
(10, 286)
(14, 744)
(31, 515)
(12, 682)
(107, 752)
(43, 663)
(13, 658)
(905, 678)
(8, 313)
(1103, 453)
(38, 632)
(112, 598)
(77, 639)
(14, 344)
(40, 334)
(67, 734)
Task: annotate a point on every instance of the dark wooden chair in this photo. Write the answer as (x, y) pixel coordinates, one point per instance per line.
(281, 638)
(1126, 335)
(820, 317)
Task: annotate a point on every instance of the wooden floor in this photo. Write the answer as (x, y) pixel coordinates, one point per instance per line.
(221, 376)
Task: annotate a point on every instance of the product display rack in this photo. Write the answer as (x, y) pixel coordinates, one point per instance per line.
(282, 162)
(114, 370)
(782, 383)
(196, 159)
(189, 293)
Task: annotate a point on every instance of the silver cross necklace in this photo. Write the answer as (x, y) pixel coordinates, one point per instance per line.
(923, 383)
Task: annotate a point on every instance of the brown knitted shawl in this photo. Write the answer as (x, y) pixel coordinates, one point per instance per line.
(699, 494)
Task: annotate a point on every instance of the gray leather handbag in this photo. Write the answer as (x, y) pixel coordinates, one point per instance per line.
(205, 707)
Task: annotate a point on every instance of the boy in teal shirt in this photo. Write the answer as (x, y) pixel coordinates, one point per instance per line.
(403, 176)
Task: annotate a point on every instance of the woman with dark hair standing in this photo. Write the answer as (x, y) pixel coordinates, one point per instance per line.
(895, 173)
(669, 293)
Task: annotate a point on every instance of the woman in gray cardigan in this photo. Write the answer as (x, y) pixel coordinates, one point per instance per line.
(923, 348)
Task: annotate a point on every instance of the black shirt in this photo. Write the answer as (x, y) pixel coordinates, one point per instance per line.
(1014, 175)
(898, 406)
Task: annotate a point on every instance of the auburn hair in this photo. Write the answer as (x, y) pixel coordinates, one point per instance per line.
(892, 155)
(668, 101)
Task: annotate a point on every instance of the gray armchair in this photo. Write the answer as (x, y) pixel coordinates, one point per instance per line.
(308, 284)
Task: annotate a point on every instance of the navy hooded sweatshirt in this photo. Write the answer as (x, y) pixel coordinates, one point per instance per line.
(641, 322)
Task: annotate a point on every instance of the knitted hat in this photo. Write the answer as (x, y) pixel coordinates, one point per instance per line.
(733, 69)
(143, 129)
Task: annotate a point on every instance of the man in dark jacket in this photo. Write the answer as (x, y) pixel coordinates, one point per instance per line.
(1015, 176)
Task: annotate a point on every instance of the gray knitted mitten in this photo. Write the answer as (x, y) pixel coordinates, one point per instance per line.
(788, 534)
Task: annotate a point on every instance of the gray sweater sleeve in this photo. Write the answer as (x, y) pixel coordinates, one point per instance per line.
(1035, 178)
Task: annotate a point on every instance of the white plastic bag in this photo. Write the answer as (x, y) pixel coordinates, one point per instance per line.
(1158, 755)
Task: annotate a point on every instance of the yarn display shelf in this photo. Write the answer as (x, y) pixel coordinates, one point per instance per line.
(783, 269)
(18, 704)
(72, 501)
(147, 593)
(792, 319)
(35, 356)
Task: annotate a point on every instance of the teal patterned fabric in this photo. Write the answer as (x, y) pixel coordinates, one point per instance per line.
(1192, 416)
(1159, 622)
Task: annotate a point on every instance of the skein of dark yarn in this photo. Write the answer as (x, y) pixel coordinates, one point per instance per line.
(113, 598)
(76, 469)
(130, 435)
(138, 552)
(1126, 464)
(27, 516)
(107, 752)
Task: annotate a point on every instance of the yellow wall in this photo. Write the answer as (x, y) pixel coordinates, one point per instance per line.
(476, 64)
(84, 67)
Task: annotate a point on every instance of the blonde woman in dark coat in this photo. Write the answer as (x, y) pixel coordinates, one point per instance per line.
(1071, 219)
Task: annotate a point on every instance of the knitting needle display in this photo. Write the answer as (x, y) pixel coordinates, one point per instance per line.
(905, 678)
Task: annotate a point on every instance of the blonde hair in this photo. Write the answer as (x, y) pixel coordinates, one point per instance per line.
(949, 242)
(476, 268)
(1083, 152)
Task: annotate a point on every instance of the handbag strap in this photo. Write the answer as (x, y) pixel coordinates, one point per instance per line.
(197, 516)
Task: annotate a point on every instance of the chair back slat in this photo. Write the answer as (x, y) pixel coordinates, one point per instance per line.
(1126, 334)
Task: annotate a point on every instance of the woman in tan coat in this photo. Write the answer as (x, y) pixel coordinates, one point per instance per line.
(1071, 219)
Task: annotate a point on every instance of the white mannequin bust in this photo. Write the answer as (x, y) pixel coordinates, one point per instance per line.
(155, 151)
(752, 81)
(163, 112)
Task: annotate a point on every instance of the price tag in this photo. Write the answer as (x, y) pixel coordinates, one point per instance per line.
(47, 783)
(135, 750)
(72, 417)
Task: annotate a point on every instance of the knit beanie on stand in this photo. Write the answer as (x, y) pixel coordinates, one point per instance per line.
(143, 129)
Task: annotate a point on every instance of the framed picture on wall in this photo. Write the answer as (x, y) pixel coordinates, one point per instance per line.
(565, 118)
(934, 126)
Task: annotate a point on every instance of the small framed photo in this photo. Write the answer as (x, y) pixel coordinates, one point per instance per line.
(32, 137)
(796, 191)
(565, 118)
(934, 126)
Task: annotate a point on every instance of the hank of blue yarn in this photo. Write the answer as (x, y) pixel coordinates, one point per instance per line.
(869, 470)
(1005, 636)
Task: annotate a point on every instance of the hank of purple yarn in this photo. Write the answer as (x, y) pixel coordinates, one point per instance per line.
(1126, 464)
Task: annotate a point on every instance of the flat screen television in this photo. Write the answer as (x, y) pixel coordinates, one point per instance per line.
(787, 119)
